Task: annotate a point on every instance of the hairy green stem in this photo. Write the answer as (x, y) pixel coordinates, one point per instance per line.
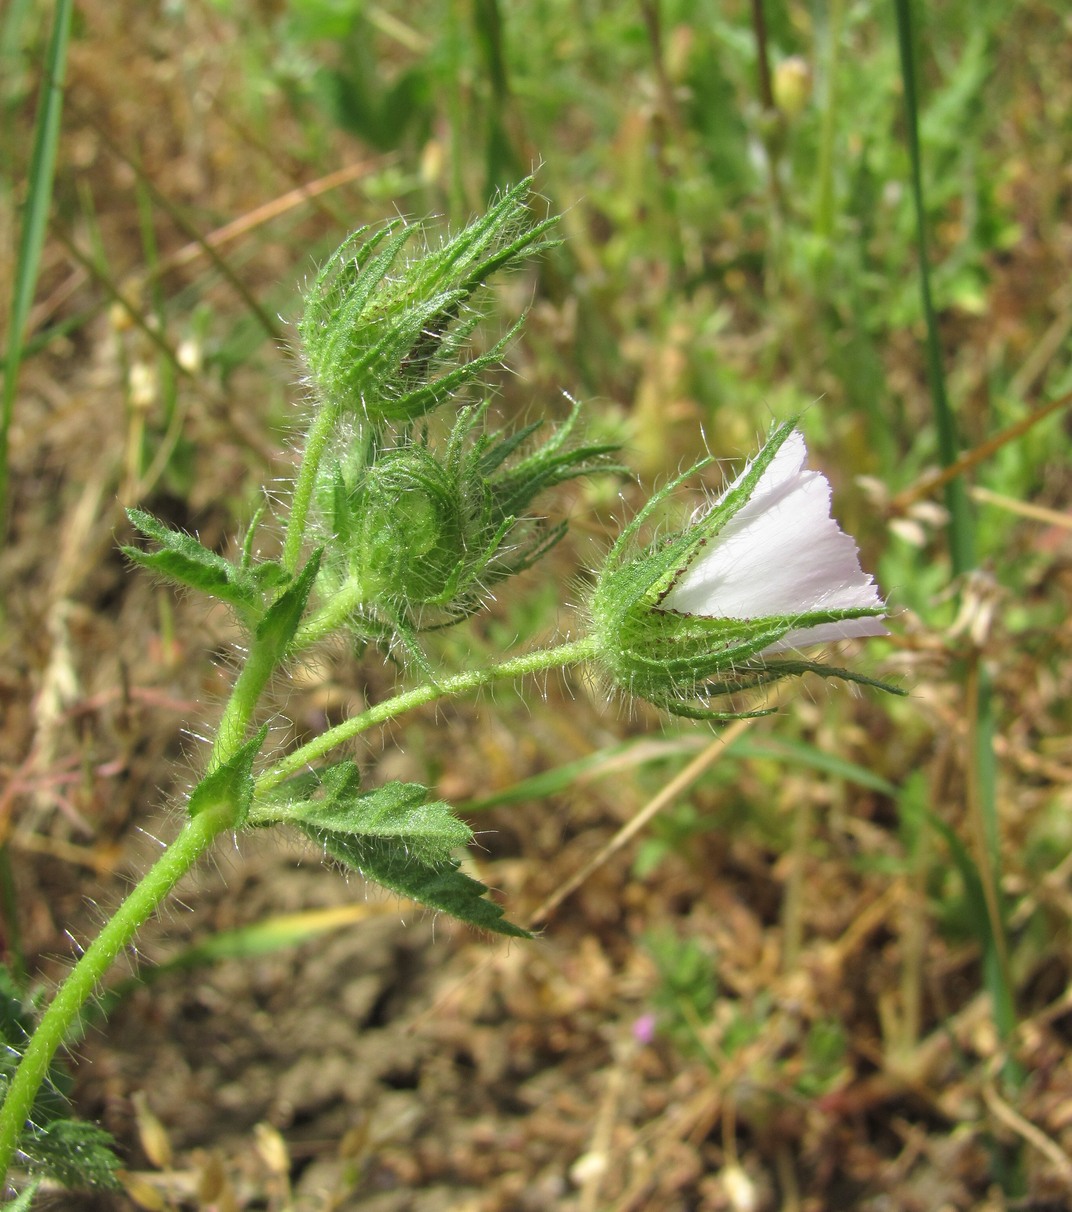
(574, 652)
(329, 618)
(315, 444)
(59, 1018)
(261, 663)
(199, 833)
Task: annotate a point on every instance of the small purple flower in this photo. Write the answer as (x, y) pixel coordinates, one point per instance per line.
(644, 1028)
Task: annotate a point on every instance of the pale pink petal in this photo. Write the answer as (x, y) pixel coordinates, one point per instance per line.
(781, 554)
(828, 633)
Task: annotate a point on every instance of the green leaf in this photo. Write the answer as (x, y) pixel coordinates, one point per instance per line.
(397, 814)
(24, 1199)
(393, 836)
(72, 1152)
(181, 558)
(280, 622)
(230, 784)
(439, 887)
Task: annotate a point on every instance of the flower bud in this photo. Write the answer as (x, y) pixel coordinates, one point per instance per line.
(408, 536)
(713, 608)
(384, 333)
(417, 537)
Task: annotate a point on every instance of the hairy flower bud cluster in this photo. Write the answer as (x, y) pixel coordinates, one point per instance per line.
(419, 533)
(413, 529)
(723, 604)
(384, 332)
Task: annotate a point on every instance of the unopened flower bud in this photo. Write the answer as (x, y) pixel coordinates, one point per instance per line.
(418, 538)
(718, 606)
(408, 537)
(384, 333)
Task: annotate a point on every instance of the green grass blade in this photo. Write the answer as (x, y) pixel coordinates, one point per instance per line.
(34, 222)
(614, 759)
(961, 526)
(982, 798)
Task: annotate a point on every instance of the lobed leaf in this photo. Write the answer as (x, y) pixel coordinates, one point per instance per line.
(182, 559)
(395, 814)
(393, 836)
(439, 887)
(72, 1152)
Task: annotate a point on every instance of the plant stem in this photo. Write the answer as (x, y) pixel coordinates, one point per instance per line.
(574, 652)
(319, 433)
(261, 663)
(329, 618)
(55, 1025)
(199, 833)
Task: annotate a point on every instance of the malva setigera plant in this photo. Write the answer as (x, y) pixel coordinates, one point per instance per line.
(395, 525)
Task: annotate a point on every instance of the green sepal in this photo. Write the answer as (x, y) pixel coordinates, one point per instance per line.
(678, 661)
(280, 621)
(792, 668)
(230, 785)
(181, 558)
(425, 533)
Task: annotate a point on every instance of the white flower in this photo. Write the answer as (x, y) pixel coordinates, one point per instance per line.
(781, 554)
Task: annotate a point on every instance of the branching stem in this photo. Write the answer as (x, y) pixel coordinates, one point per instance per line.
(574, 652)
(199, 833)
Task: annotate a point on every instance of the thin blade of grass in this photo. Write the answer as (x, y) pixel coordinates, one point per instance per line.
(34, 224)
(616, 758)
(961, 527)
(982, 806)
(265, 937)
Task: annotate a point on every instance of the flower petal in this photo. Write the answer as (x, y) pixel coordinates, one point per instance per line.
(827, 633)
(781, 554)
